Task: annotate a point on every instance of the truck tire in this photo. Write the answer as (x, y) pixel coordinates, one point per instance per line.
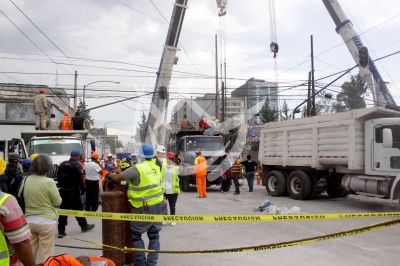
(184, 183)
(276, 183)
(299, 185)
(334, 187)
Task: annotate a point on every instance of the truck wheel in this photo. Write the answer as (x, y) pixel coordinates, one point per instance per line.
(276, 183)
(185, 184)
(334, 188)
(299, 185)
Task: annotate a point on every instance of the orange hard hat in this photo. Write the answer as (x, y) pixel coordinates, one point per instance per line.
(95, 155)
(42, 90)
(66, 113)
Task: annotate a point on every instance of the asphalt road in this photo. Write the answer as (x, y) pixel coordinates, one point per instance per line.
(381, 247)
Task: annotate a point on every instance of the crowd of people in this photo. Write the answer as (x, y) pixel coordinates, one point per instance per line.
(77, 122)
(153, 185)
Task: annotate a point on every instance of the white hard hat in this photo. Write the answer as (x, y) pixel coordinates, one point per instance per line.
(161, 149)
(109, 154)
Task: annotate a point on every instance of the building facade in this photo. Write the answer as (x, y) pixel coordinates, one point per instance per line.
(254, 93)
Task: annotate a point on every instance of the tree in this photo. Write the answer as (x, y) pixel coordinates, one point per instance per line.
(142, 129)
(81, 108)
(285, 111)
(351, 96)
(268, 114)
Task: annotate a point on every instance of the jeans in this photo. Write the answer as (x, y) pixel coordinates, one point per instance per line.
(172, 198)
(235, 177)
(152, 229)
(250, 180)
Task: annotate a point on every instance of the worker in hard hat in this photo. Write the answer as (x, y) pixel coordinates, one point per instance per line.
(146, 197)
(66, 122)
(33, 156)
(160, 155)
(40, 106)
(170, 182)
(93, 174)
(200, 171)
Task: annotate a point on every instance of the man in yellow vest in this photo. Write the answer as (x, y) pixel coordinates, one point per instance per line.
(146, 196)
(14, 231)
(170, 182)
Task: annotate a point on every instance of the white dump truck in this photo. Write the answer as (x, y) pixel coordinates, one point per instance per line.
(351, 152)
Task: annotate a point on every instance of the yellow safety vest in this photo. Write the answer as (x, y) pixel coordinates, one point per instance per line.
(4, 254)
(175, 178)
(149, 191)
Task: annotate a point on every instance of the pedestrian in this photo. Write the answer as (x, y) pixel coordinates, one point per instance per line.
(146, 197)
(40, 106)
(200, 171)
(72, 189)
(185, 123)
(109, 161)
(41, 198)
(250, 168)
(53, 123)
(26, 165)
(78, 122)
(14, 174)
(160, 155)
(15, 246)
(236, 171)
(66, 122)
(93, 173)
(225, 175)
(170, 182)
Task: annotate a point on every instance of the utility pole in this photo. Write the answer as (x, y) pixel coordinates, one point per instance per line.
(75, 90)
(313, 110)
(216, 80)
(224, 87)
(309, 93)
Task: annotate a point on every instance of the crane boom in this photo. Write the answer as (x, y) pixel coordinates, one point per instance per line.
(160, 97)
(370, 74)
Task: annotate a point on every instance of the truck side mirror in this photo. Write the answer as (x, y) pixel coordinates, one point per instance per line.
(387, 138)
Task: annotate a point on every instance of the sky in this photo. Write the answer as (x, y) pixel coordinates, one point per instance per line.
(122, 41)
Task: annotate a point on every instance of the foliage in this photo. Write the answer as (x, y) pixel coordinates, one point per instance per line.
(268, 114)
(351, 96)
(285, 111)
(81, 108)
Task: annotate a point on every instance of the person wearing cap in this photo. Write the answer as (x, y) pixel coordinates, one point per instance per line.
(170, 182)
(93, 173)
(14, 174)
(66, 122)
(40, 106)
(160, 155)
(109, 161)
(26, 164)
(146, 197)
(70, 181)
(200, 171)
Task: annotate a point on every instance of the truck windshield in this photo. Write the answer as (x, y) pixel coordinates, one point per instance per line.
(204, 144)
(54, 146)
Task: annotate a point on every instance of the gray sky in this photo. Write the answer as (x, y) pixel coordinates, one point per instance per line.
(134, 32)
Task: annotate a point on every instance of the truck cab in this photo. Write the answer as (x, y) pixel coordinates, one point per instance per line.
(14, 145)
(186, 143)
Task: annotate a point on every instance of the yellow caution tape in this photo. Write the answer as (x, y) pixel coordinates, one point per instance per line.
(221, 218)
(292, 243)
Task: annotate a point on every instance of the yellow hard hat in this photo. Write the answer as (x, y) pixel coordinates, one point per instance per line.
(33, 156)
(3, 166)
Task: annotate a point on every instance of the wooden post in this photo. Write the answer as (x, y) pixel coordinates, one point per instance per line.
(113, 231)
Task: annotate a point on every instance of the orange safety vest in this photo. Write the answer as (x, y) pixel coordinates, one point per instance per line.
(66, 123)
(67, 260)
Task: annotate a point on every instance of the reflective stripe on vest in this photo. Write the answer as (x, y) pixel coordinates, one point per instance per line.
(4, 255)
(149, 190)
(175, 178)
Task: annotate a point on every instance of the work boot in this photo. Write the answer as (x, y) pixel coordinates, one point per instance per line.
(61, 234)
(87, 227)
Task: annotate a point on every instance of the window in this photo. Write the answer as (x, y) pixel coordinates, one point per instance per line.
(395, 133)
(395, 162)
(204, 144)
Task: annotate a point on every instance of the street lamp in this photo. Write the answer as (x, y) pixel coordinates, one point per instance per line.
(98, 81)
